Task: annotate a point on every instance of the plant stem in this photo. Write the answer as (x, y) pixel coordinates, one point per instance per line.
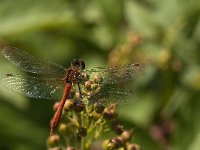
(82, 138)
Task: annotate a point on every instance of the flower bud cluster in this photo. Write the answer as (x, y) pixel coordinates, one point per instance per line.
(121, 141)
(86, 118)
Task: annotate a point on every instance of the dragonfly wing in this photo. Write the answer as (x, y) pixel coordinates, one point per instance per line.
(32, 64)
(115, 95)
(117, 74)
(34, 87)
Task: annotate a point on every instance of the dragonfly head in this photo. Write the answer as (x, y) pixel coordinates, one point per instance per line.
(78, 63)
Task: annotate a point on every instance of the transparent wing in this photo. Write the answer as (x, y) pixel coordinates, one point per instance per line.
(34, 87)
(32, 64)
(117, 74)
(114, 95)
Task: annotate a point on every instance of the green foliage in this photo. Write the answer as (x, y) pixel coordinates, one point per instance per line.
(163, 35)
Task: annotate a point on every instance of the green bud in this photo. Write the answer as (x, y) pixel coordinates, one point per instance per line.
(53, 140)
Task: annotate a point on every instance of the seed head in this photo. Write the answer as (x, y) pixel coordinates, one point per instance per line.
(55, 106)
(110, 112)
(99, 106)
(53, 140)
(127, 135)
(132, 146)
(88, 85)
(68, 105)
(81, 132)
(78, 106)
(63, 128)
(118, 128)
(115, 143)
(98, 78)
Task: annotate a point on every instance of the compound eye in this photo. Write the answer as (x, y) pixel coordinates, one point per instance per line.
(82, 64)
(77, 63)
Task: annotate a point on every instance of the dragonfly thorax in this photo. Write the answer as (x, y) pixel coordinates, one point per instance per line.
(74, 74)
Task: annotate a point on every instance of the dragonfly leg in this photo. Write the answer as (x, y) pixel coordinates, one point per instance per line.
(79, 89)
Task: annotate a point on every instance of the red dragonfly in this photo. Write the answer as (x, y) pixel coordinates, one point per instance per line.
(55, 79)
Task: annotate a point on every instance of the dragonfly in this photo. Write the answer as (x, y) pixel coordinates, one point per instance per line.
(48, 80)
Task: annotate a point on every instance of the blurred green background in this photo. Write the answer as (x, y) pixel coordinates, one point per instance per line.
(162, 35)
